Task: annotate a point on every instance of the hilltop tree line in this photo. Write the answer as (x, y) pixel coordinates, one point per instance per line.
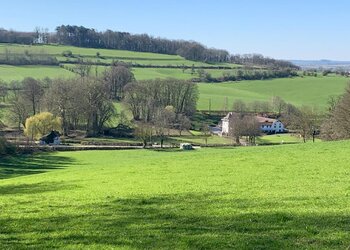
(86, 37)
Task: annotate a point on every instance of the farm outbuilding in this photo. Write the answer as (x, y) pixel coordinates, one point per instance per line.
(53, 138)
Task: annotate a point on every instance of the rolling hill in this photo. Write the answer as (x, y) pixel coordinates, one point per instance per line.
(312, 91)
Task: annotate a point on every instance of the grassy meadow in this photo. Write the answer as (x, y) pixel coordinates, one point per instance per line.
(207, 198)
(312, 91)
(9, 73)
(106, 55)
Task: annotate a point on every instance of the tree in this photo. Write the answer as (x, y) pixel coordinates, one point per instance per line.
(205, 132)
(99, 105)
(41, 124)
(289, 114)
(337, 124)
(306, 122)
(19, 111)
(83, 68)
(3, 90)
(123, 118)
(278, 104)
(163, 122)
(144, 132)
(182, 123)
(65, 98)
(144, 98)
(33, 93)
(239, 106)
(117, 77)
(252, 128)
(243, 125)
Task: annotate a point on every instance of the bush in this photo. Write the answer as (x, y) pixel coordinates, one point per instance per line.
(67, 53)
(6, 148)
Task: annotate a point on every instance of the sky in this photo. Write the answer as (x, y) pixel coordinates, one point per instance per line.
(282, 29)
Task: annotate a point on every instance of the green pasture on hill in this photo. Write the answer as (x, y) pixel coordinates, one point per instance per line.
(274, 197)
(9, 73)
(312, 91)
(106, 55)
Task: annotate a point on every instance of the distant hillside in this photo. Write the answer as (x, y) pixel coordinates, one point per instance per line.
(325, 64)
(90, 38)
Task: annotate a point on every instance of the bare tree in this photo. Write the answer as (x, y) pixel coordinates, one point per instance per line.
(19, 111)
(244, 125)
(278, 104)
(144, 132)
(67, 98)
(3, 90)
(83, 68)
(337, 124)
(144, 98)
(163, 121)
(205, 132)
(33, 93)
(306, 122)
(99, 106)
(239, 106)
(117, 77)
(182, 123)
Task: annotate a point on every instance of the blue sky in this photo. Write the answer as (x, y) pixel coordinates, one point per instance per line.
(286, 29)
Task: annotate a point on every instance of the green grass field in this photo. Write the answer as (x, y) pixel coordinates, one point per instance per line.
(313, 91)
(162, 73)
(107, 55)
(275, 197)
(9, 73)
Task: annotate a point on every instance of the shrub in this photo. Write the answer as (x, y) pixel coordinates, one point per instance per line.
(67, 53)
(6, 148)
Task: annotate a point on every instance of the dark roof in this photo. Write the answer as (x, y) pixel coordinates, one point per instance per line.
(50, 137)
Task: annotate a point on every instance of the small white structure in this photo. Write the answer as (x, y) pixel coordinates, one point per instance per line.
(225, 124)
(267, 125)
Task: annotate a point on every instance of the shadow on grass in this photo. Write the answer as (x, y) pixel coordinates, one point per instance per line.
(34, 188)
(193, 221)
(31, 164)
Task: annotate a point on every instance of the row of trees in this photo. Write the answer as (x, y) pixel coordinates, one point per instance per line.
(11, 36)
(26, 58)
(241, 75)
(145, 98)
(82, 103)
(85, 102)
(163, 121)
(257, 59)
(336, 126)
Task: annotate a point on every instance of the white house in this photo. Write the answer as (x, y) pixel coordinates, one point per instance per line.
(267, 125)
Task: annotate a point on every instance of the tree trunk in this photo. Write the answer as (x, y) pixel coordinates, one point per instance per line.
(237, 140)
